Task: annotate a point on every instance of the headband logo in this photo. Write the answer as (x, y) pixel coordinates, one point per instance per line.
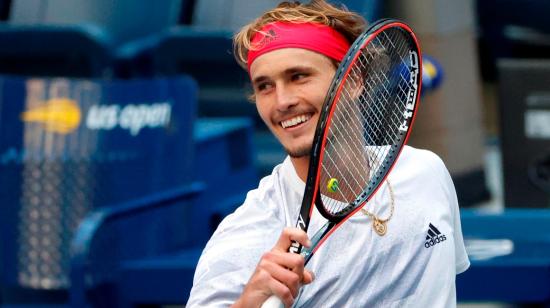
(269, 37)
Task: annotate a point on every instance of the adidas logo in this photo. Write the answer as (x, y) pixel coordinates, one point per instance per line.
(434, 237)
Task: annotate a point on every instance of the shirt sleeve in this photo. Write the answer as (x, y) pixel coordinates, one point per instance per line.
(233, 251)
(462, 261)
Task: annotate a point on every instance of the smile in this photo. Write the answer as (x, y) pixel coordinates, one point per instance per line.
(295, 121)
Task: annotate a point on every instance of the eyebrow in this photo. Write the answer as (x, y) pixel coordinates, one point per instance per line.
(288, 71)
(259, 79)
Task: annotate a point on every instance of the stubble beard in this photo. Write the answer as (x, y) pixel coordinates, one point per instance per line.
(300, 152)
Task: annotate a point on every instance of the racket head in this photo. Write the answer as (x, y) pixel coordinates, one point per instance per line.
(365, 121)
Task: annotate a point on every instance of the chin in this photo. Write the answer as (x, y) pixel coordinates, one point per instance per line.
(299, 146)
(298, 152)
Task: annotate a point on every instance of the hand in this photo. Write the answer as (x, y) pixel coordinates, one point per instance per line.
(279, 272)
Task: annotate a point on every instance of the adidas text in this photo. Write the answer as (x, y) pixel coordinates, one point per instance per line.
(435, 240)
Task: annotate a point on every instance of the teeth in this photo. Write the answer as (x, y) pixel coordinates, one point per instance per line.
(295, 121)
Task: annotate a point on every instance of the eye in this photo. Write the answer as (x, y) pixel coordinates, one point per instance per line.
(298, 76)
(263, 87)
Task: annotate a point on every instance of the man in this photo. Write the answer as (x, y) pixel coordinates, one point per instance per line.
(291, 54)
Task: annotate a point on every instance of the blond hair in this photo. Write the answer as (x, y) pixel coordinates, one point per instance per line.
(349, 24)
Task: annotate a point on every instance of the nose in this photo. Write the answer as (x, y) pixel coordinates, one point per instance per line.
(286, 98)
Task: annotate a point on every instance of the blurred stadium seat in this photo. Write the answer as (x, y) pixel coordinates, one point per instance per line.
(47, 50)
(510, 257)
(124, 20)
(113, 235)
(123, 274)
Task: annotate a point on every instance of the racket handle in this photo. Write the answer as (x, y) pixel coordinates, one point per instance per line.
(273, 302)
(295, 247)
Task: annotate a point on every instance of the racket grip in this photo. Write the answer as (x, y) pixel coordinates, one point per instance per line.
(273, 302)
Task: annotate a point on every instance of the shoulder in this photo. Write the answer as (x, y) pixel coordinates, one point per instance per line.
(421, 158)
(422, 173)
(269, 192)
(418, 164)
(265, 199)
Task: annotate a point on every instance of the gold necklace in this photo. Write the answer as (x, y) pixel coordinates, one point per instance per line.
(379, 225)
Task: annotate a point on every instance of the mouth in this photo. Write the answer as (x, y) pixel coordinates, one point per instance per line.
(295, 121)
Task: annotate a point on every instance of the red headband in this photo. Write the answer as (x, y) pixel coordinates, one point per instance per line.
(312, 36)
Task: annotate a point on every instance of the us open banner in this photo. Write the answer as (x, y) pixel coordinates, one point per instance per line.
(68, 145)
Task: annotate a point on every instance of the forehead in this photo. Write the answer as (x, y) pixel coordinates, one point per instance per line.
(281, 60)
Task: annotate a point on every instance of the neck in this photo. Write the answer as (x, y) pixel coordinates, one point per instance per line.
(301, 165)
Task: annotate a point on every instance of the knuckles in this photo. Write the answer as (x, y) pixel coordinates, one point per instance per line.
(297, 261)
(294, 280)
(262, 275)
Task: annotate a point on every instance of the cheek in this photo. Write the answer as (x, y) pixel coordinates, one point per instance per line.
(321, 90)
(263, 111)
(319, 95)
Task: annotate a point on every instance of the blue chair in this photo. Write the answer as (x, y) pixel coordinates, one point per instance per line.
(107, 237)
(135, 272)
(55, 50)
(124, 20)
(510, 257)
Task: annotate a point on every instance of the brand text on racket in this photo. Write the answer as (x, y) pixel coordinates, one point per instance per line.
(411, 96)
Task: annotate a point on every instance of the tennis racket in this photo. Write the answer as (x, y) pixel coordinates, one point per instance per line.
(364, 124)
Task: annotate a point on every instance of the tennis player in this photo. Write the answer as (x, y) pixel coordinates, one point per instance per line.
(403, 249)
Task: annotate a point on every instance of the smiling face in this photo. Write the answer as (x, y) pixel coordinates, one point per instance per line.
(290, 86)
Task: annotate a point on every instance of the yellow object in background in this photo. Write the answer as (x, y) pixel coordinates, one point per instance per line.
(59, 115)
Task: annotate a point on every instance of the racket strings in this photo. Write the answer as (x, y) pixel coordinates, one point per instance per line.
(364, 128)
(346, 146)
(346, 134)
(351, 182)
(351, 179)
(388, 82)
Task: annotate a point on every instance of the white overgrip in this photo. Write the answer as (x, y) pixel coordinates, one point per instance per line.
(273, 302)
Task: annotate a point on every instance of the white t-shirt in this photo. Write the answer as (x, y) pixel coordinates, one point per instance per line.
(414, 264)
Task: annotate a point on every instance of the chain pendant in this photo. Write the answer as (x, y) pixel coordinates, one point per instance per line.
(379, 227)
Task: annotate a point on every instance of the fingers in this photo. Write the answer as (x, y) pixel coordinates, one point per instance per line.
(288, 236)
(284, 292)
(260, 287)
(276, 287)
(287, 268)
(279, 272)
(308, 277)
